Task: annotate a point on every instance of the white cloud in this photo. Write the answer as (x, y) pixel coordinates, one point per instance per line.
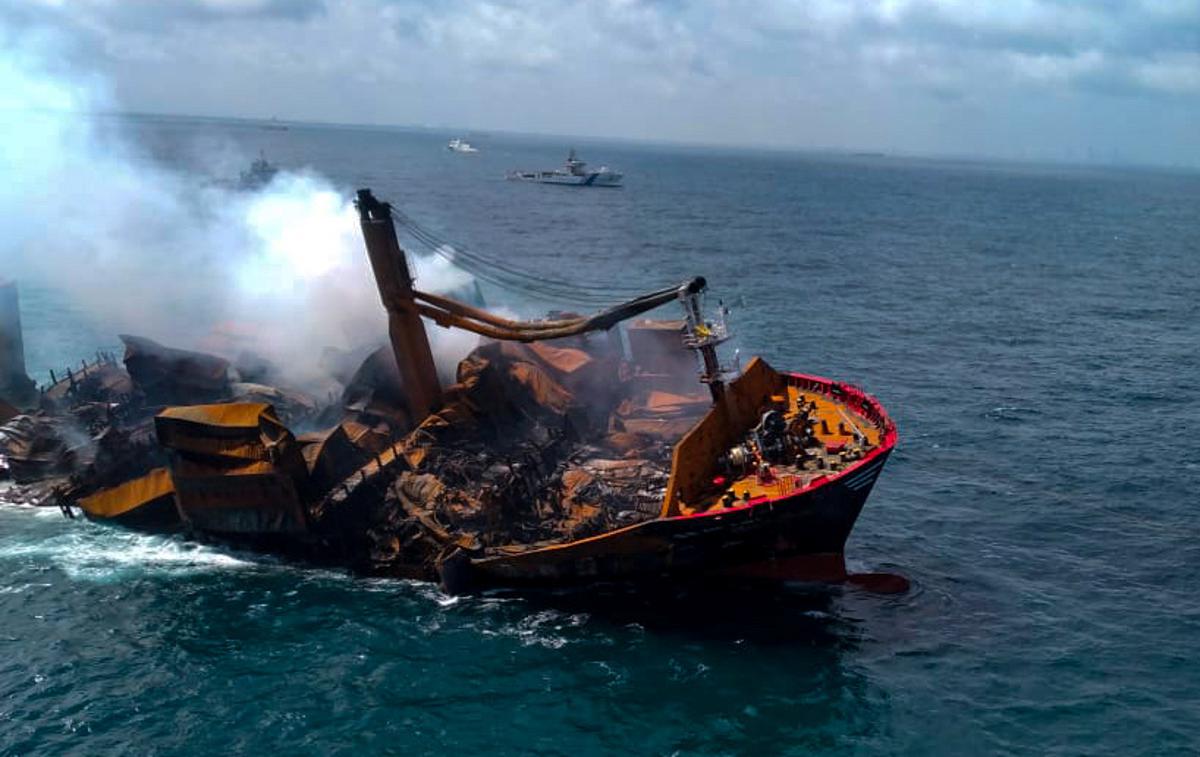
(1175, 73)
(789, 71)
(490, 33)
(1055, 69)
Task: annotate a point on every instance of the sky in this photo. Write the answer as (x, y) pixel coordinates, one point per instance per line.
(1101, 81)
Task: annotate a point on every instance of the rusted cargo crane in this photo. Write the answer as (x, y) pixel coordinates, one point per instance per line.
(411, 345)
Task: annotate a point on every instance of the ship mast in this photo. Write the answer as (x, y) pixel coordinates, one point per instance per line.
(410, 343)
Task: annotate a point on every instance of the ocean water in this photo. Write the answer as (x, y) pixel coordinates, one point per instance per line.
(1034, 331)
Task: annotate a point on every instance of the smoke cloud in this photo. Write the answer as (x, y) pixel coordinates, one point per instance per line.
(146, 249)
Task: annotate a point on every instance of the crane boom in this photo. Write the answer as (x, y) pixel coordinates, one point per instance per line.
(406, 305)
(450, 313)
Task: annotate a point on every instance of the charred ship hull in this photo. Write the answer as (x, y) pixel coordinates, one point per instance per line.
(795, 537)
(563, 454)
(794, 530)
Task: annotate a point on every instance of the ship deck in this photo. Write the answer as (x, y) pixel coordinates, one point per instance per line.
(843, 426)
(777, 507)
(842, 437)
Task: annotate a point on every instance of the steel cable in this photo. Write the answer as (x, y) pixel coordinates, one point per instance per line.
(507, 276)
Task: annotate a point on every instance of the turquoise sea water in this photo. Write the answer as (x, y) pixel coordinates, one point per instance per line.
(1033, 331)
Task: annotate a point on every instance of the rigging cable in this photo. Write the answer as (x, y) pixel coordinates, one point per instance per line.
(507, 276)
(514, 280)
(441, 245)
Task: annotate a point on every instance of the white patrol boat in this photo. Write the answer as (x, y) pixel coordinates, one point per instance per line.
(460, 145)
(573, 173)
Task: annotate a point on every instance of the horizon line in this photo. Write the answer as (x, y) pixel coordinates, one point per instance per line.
(666, 142)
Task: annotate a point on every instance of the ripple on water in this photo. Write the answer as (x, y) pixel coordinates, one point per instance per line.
(91, 552)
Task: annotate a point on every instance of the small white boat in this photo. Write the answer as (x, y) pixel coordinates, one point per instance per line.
(573, 173)
(460, 145)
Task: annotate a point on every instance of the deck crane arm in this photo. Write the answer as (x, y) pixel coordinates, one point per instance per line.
(450, 313)
(406, 305)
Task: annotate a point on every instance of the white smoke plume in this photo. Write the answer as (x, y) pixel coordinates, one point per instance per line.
(153, 251)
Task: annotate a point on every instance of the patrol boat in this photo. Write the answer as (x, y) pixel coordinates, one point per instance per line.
(259, 175)
(574, 173)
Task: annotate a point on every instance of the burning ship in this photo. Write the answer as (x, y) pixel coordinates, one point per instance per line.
(555, 459)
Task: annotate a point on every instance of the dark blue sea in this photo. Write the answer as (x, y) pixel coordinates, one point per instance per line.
(1034, 331)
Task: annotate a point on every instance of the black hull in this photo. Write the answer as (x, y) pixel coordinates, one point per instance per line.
(800, 536)
(158, 516)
